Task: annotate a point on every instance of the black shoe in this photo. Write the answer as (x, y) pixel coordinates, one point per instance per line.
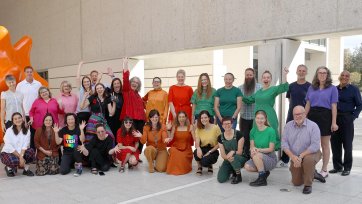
(345, 173)
(9, 173)
(260, 181)
(307, 190)
(267, 173)
(237, 179)
(334, 171)
(140, 161)
(233, 175)
(319, 177)
(28, 173)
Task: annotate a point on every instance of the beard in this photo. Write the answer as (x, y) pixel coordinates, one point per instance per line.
(249, 86)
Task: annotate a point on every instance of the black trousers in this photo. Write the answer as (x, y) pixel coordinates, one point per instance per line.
(32, 134)
(98, 160)
(208, 160)
(245, 127)
(343, 137)
(68, 159)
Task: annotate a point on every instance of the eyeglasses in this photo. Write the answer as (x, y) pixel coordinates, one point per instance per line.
(226, 123)
(128, 122)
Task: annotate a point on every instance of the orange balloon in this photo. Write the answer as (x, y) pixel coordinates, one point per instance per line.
(13, 59)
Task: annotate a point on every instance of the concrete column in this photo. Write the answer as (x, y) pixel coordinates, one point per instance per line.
(137, 68)
(218, 68)
(335, 56)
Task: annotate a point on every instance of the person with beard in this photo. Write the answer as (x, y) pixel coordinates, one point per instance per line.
(296, 95)
(264, 99)
(247, 110)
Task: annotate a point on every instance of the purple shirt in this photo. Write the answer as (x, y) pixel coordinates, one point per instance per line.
(322, 97)
(298, 139)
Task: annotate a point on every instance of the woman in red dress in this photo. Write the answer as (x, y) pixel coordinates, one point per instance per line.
(179, 96)
(127, 144)
(180, 159)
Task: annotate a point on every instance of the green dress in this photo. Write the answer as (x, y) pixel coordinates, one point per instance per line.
(265, 100)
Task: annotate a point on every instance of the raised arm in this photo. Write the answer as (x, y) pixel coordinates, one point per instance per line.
(78, 81)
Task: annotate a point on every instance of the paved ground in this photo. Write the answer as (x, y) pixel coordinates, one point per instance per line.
(138, 186)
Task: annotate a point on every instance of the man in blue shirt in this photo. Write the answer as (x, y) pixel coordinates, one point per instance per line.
(348, 109)
(296, 95)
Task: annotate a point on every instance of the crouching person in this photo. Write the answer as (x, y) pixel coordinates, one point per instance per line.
(16, 152)
(99, 150)
(231, 145)
(301, 142)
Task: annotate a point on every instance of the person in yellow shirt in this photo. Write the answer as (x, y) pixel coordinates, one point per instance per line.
(157, 99)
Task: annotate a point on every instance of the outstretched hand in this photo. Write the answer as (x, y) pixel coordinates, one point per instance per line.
(125, 64)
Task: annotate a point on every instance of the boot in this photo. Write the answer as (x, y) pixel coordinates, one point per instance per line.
(260, 181)
(237, 179)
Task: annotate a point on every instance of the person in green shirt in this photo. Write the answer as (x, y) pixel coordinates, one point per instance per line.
(228, 101)
(264, 99)
(203, 98)
(262, 149)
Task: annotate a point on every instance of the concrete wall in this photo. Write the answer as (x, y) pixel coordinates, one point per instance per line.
(66, 31)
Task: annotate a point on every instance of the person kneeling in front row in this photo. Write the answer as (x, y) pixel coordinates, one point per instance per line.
(301, 142)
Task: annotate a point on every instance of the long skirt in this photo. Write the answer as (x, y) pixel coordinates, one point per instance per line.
(91, 127)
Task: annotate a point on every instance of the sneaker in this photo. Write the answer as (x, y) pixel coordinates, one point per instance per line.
(78, 172)
(324, 173)
(9, 172)
(28, 173)
(281, 164)
(260, 181)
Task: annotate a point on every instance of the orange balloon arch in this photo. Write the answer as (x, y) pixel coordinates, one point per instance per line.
(13, 59)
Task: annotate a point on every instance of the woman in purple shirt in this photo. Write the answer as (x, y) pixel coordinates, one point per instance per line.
(321, 108)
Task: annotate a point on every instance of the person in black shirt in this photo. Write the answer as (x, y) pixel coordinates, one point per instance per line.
(70, 136)
(99, 150)
(348, 109)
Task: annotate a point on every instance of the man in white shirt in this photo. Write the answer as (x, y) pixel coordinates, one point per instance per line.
(29, 88)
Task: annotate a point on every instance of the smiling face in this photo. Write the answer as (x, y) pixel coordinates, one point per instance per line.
(66, 88)
(228, 80)
(135, 82)
(344, 78)
(11, 84)
(101, 133)
(94, 77)
(100, 90)
(44, 93)
(29, 76)
(205, 120)
(17, 120)
(117, 86)
(299, 115)
(156, 83)
(302, 72)
(180, 78)
(322, 75)
(48, 121)
(260, 120)
(181, 118)
(249, 75)
(128, 124)
(227, 125)
(154, 119)
(204, 82)
(70, 121)
(86, 83)
(266, 79)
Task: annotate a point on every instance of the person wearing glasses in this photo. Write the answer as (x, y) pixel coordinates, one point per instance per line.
(321, 108)
(154, 135)
(157, 99)
(128, 145)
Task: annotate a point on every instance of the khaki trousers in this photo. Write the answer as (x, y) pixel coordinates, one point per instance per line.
(159, 157)
(305, 173)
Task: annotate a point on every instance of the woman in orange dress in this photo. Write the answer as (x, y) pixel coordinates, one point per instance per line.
(179, 96)
(180, 159)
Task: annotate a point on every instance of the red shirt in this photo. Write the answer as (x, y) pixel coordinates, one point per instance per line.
(133, 106)
(128, 140)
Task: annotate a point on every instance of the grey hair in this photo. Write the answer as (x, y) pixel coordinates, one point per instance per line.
(181, 71)
(139, 84)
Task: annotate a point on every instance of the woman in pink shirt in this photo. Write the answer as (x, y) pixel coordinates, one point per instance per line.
(42, 105)
(67, 101)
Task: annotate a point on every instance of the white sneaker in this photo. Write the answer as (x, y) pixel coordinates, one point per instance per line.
(281, 164)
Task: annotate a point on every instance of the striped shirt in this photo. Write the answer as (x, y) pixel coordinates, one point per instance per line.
(247, 110)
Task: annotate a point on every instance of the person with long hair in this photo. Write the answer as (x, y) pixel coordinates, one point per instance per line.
(180, 159)
(203, 98)
(154, 135)
(231, 144)
(227, 101)
(247, 112)
(71, 136)
(206, 134)
(116, 90)
(128, 145)
(133, 105)
(264, 99)
(47, 148)
(41, 106)
(67, 101)
(179, 96)
(16, 151)
(321, 108)
(262, 149)
(157, 99)
(85, 91)
(98, 103)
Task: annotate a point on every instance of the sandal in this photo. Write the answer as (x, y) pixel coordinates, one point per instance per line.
(199, 171)
(210, 170)
(94, 171)
(121, 169)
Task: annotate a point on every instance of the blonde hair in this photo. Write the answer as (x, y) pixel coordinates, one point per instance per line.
(181, 71)
(65, 83)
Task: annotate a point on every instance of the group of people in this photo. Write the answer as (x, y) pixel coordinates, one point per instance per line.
(104, 126)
